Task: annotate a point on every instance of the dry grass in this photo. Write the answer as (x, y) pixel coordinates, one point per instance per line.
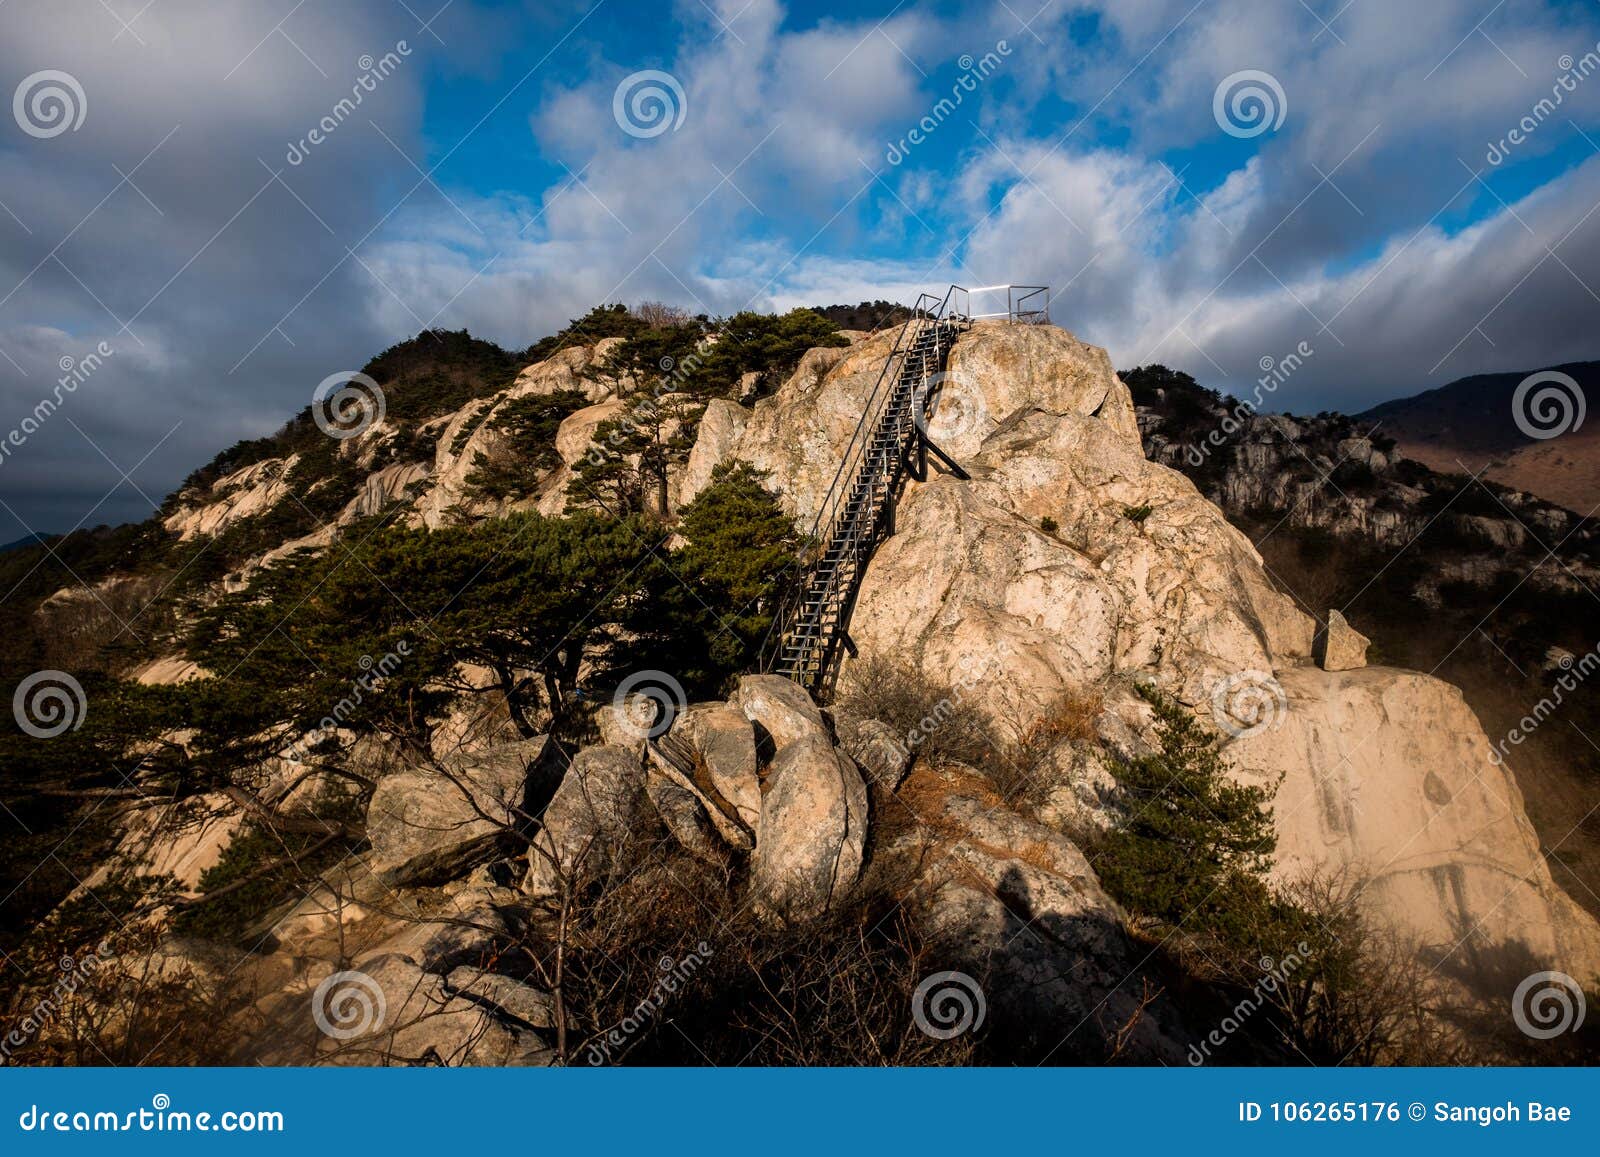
(1025, 769)
(1071, 717)
(837, 991)
(946, 723)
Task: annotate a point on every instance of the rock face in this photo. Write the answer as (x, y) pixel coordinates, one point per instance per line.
(882, 755)
(672, 762)
(971, 578)
(471, 431)
(627, 724)
(564, 370)
(182, 851)
(251, 490)
(721, 426)
(1142, 578)
(588, 820)
(1387, 775)
(813, 830)
(427, 823)
(1381, 491)
(685, 816)
(384, 488)
(1017, 904)
(533, 1007)
(464, 933)
(361, 973)
(822, 418)
(1341, 647)
(781, 708)
(572, 443)
(418, 1021)
(726, 743)
(995, 371)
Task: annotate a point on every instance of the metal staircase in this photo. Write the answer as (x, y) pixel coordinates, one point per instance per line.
(809, 630)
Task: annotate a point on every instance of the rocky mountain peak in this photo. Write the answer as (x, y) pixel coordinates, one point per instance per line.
(1064, 597)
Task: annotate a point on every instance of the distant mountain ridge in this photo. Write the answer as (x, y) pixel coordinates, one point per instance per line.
(1470, 426)
(33, 539)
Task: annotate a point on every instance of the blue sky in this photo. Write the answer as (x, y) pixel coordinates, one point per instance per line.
(486, 181)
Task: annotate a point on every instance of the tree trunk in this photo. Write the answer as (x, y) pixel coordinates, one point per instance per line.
(514, 690)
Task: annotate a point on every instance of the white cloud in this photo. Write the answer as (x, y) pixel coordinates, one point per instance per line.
(763, 198)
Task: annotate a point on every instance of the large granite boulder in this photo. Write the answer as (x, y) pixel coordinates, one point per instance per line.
(393, 1013)
(506, 996)
(686, 817)
(470, 929)
(1388, 777)
(721, 734)
(812, 836)
(782, 708)
(971, 578)
(429, 823)
(589, 820)
(1340, 647)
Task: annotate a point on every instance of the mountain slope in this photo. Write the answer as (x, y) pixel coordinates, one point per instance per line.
(426, 716)
(1488, 587)
(1471, 425)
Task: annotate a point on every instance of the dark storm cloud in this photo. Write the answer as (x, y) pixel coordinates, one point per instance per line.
(228, 281)
(172, 227)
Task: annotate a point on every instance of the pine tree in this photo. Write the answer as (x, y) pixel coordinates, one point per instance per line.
(1194, 846)
(767, 346)
(630, 459)
(526, 450)
(710, 606)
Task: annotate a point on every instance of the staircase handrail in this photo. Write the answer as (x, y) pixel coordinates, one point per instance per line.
(827, 512)
(1017, 310)
(872, 411)
(825, 525)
